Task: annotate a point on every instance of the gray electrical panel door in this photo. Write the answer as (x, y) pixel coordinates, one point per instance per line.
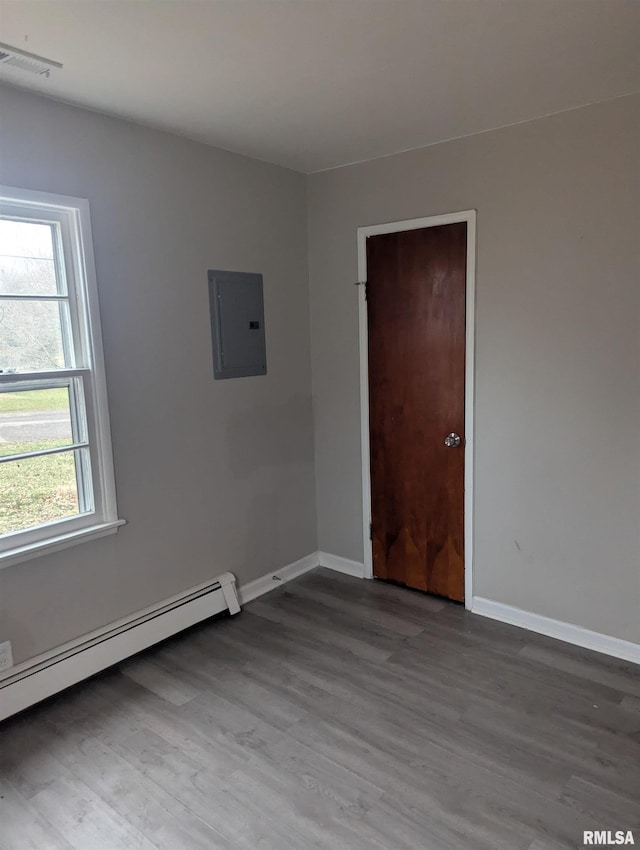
(237, 324)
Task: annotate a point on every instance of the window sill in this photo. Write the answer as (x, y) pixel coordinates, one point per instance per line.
(55, 544)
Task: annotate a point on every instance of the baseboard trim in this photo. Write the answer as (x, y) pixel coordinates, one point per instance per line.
(341, 565)
(568, 632)
(269, 581)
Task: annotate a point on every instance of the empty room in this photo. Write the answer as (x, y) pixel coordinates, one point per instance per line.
(319, 424)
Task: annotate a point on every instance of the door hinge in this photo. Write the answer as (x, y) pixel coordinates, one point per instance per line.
(370, 531)
(365, 284)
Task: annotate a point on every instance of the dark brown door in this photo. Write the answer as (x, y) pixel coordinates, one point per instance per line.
(416, 283)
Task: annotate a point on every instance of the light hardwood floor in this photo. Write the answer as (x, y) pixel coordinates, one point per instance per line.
(332, 713)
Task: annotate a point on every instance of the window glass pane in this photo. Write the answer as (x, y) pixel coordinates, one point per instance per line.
(31, 420)
(31, 336)
(27, 265)
(37, 490)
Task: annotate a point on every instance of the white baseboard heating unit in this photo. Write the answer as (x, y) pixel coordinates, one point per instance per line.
(38, 678)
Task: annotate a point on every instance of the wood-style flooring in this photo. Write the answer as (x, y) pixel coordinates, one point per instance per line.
(332, 713)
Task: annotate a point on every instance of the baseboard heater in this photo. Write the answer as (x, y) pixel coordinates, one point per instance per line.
(38, 678)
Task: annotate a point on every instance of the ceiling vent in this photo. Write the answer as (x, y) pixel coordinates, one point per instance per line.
(28, 63)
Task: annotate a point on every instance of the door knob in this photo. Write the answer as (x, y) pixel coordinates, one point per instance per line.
(452, 440)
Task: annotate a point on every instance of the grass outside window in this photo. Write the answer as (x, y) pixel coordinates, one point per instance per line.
(38, 489)
(41, 489)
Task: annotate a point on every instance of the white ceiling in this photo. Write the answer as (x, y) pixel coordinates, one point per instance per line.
(313, 84)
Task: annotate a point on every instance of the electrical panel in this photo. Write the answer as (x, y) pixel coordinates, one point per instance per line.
(237, 324)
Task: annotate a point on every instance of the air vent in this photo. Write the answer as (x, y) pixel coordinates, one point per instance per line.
(28, 63)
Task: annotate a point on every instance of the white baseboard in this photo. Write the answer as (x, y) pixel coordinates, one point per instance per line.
(270, 581)
(568, 632)
(53, 671)
(558, 629)
(341, 565)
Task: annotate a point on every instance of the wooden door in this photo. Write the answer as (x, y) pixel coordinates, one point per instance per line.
(416, 282)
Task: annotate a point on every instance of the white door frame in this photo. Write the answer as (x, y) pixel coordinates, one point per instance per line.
(468, 216)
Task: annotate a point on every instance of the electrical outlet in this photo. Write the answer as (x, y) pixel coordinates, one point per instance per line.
(6, 656)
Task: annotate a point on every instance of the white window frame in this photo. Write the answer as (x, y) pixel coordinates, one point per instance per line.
(71, 215)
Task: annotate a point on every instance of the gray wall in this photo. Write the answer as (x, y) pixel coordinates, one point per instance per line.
(219, 476)
(557, 475)
(211, 476)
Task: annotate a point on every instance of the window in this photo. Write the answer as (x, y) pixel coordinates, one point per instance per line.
(56, 468)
